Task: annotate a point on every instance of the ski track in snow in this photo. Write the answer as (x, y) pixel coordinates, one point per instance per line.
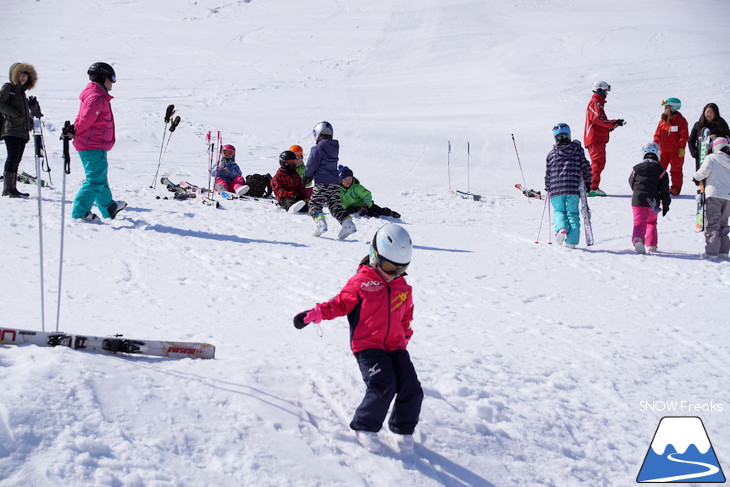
(533, 358)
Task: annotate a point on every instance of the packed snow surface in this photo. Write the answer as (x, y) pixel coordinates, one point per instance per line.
(541, 366)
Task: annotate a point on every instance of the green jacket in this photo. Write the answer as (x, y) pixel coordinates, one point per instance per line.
(356, 195)
(300, 171)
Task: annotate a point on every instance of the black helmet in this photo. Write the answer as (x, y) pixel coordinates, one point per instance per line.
(100, 72)
(288, 160)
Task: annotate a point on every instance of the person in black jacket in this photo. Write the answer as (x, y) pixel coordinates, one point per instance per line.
(711, 119)
(17, 122)
(650, 185)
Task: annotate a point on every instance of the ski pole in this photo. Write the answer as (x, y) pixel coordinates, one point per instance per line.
(65, 137)
(38, 138)
(35, 112)
(168, 114)
(448, 164)
(519, 162)
(173, 126)
(542, 217)
(468, 160)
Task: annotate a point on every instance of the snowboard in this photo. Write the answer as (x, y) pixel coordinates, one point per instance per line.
(585, 213)
(530, 193)
(107, 345)
(704, 149)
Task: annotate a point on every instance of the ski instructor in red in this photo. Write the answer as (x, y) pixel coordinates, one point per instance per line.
(595, 134)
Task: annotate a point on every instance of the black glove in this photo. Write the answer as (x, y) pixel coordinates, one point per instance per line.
(363, 211)
(665, 210)
(35, 108)
(307, 180)
(619, 122)
(588, 187)
(697, 183)
(299, 320)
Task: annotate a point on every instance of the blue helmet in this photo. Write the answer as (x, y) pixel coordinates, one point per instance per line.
(561, 128)
(674, 104)
(650, 148)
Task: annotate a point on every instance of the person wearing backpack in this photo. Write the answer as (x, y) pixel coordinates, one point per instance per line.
(17, 122)
(650, 195)
(715, 172)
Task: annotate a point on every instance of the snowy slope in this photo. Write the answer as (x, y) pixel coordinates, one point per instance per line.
(535, 360)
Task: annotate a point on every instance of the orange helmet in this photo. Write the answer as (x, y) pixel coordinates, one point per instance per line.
(296, 149)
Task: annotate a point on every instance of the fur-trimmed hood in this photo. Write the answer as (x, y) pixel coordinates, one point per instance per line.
(18, 68)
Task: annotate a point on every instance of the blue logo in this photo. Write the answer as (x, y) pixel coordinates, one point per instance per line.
(681, 452)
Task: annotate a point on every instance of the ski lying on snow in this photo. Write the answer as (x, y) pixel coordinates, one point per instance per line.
(108, 345)
(530, 193)
(467, 195)
(26, 178)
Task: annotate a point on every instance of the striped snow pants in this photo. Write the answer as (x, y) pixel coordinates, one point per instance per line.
(327, 195)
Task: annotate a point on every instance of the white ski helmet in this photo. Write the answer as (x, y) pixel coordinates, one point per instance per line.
(322, 128)
(718, 144)
(601, 85)
(391, 249)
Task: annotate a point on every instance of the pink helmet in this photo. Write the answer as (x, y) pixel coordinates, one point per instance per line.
(229, 147)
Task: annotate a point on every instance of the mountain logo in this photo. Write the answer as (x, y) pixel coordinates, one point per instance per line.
(681, 452)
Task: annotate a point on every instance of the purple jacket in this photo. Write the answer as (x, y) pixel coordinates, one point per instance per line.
(94, 125)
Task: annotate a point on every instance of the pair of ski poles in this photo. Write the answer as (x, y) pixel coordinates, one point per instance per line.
(547, 197)
(173, 123)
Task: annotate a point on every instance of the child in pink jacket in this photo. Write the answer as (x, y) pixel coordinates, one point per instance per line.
(378, 304)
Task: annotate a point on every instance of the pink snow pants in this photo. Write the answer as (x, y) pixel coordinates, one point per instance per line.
(232, 186)
(645, 225)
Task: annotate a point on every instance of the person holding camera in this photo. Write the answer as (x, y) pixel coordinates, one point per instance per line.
(17, 122)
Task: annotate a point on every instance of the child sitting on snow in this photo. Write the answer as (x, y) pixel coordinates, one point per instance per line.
(299, 152)
(288, 186)
(227, 174)
(650, 184)
(356, 198)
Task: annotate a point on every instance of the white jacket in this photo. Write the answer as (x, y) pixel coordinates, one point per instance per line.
(715, 170)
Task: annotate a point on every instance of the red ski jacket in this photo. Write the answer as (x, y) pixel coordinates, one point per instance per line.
(597, 125)
(287, 184)
(379, 312)
(672, 135)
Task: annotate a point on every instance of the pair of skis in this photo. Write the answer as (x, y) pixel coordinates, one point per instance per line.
(26, 178)
(108, 345)
(184, 191)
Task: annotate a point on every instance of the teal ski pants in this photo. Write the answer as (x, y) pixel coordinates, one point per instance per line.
(567, 216)
(96, 187)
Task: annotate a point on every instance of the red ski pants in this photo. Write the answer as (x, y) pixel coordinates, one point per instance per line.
(597, 153)
(671, 159)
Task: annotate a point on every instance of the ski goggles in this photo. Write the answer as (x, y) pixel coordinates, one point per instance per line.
(112, 78)
(392, 268)
(229, 153)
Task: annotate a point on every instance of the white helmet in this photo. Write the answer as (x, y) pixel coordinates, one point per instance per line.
(322, 128)
(718, 144)
(391, 249)
(601, 85)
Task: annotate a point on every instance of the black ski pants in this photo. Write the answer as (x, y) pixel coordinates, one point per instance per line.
(16, 147)
(388, 374)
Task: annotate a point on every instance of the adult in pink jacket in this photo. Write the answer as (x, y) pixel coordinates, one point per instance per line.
(93, 138)
(596, 134)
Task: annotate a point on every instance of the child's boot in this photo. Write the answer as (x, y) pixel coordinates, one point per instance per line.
(639, 245)
(321, 224)
(560, 236)
(348, 228)
(369, 440)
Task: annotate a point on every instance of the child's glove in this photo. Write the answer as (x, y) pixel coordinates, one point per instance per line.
(665, 210)
(363, 211)
(304, 318)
